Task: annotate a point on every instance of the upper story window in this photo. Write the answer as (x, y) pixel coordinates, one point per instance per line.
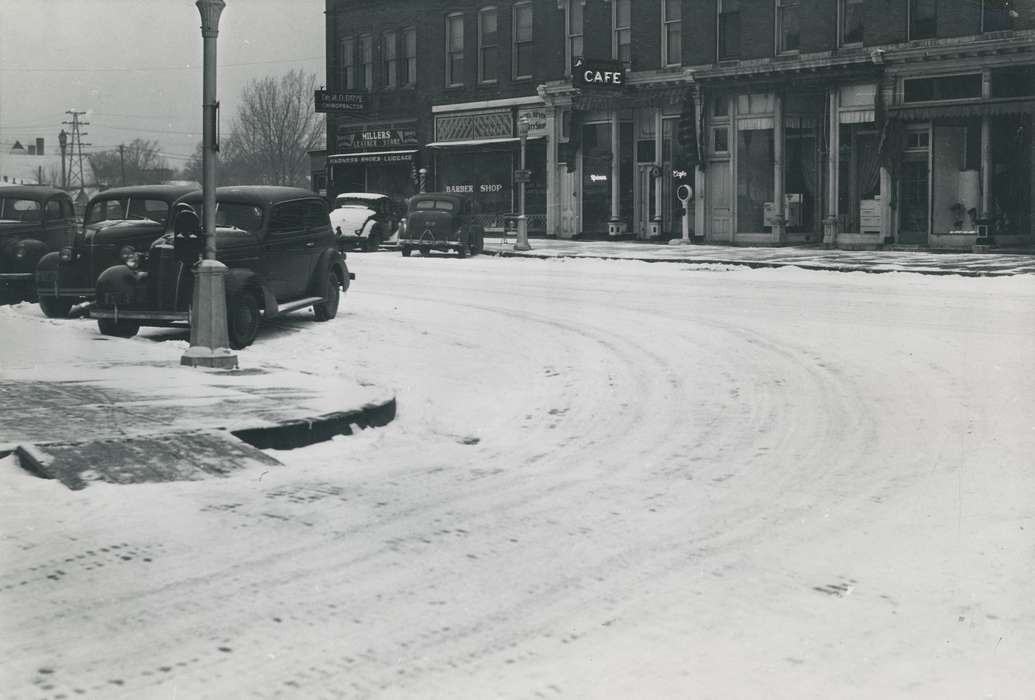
(672, 32)
(523, 40)
(998, 15)
(409, 57)
(455, 49)
(850, 22)
(365, 78)
(573, 23)
(729, 29)
(488, 44)
(390, 54)
(923, 19)
(621, 40)
(946, 87)
(788, 36)
(347, 61)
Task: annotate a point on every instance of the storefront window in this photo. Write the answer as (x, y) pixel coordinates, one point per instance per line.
(483, 175)
(956, 185)
(754, 178)
(803, 160)
(1011, 154)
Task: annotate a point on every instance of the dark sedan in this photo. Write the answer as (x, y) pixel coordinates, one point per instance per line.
(441, 222)
(280, 252)
(34, 221)
(119, 223)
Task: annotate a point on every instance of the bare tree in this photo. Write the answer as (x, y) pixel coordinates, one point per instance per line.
(137, 163)
(274, 129)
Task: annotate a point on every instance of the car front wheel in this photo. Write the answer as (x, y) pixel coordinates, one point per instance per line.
(55, 307)
(328, 308)
(119, 329)
(406, 251)
(242, 320)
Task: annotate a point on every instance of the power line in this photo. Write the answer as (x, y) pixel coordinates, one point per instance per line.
(156, 68)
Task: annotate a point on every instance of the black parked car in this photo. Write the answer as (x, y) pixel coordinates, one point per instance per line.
(280, 250)
(441, 222)
(34, 221)
(119, 223)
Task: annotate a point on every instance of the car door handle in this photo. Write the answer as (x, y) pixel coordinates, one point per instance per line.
(310, 244)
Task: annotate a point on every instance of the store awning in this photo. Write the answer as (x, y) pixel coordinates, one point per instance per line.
(480, 142)
(368, 157)
(988, 108)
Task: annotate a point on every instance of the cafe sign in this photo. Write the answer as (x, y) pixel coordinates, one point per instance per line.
(588, 73)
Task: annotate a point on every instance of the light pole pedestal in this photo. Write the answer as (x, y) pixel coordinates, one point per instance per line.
(522, 233)
(209, 340)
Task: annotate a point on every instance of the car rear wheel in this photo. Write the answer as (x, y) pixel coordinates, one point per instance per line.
(55, 307)
(242, 319)
(373, 241)
(425, 251)
(328, 308)
(119, 329)
(463, 249)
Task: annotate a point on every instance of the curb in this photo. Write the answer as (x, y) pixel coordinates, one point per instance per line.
(757, 264)
(308, 431)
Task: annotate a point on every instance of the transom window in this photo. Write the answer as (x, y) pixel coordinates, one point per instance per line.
(488, 44)
(455, 49)
(672, 34)
(788, 37)
(523, 40)
(947, 87)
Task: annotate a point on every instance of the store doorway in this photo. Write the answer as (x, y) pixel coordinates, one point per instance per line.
(914, 204)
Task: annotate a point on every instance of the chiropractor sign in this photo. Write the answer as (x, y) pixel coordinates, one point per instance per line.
(598, 74)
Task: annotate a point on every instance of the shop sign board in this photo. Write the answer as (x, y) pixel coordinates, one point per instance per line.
(375, 137)
(588, 73)
(522, 176)
(370, 158)
(348, 102)
(536, 118)
(483, 124)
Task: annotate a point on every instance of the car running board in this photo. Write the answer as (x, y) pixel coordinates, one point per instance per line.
(298, 304)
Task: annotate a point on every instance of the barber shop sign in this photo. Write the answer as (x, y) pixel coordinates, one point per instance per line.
(598, 74)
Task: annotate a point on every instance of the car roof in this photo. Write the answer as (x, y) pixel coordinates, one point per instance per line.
(258, 194)
(31, 191)
(169, 192)
(436, 195)
(361, 195)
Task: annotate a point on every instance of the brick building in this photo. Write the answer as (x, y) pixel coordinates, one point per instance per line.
(872, 121)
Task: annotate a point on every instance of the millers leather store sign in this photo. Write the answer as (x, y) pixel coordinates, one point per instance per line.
(374, 137)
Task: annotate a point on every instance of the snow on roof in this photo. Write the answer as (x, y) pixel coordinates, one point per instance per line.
(371, 196)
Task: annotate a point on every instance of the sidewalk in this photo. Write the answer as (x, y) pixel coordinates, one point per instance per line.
(925, 263)
(80, 407)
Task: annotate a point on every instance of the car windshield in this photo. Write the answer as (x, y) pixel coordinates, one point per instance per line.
(443, 204)
(20, 209)
(123, 208)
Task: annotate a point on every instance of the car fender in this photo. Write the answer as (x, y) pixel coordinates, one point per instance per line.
(116, 285)
(34, 250)
(240, 280)
(49, 262)
(331, 258)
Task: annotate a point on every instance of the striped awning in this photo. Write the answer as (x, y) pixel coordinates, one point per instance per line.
(986, 108)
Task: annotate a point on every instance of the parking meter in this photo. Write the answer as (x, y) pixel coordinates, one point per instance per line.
(188, 238)
(685, 193)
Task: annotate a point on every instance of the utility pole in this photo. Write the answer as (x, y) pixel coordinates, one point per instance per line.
(75, 157)
(63, 141)
(122, 162)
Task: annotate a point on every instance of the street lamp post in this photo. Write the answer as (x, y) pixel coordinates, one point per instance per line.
(209, 340)
(522, 232)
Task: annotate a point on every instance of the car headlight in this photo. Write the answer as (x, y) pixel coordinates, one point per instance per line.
(127, 253)
(21, 251)
(67, 254)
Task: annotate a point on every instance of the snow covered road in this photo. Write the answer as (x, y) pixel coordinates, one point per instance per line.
(606, 479)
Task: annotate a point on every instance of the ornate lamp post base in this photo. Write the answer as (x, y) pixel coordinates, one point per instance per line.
(209, 340)
(522, 232)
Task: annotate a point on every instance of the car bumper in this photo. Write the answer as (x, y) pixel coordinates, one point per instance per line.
(144, 315)
(48, 284)
(15, 280)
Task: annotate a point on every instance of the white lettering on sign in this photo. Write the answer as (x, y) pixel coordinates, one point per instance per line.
(606, 77)
(679, 174)
(459, 189)
(490, 188)
(374, 135)
(598, 178)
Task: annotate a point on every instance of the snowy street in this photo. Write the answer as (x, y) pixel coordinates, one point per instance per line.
(606, 479)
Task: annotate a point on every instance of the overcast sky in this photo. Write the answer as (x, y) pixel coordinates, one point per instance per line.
(135, 65)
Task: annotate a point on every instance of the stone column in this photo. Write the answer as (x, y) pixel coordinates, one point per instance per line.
(616, 226)
(659, 181)
(986, 166)
(833, 154)
(553, 219)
